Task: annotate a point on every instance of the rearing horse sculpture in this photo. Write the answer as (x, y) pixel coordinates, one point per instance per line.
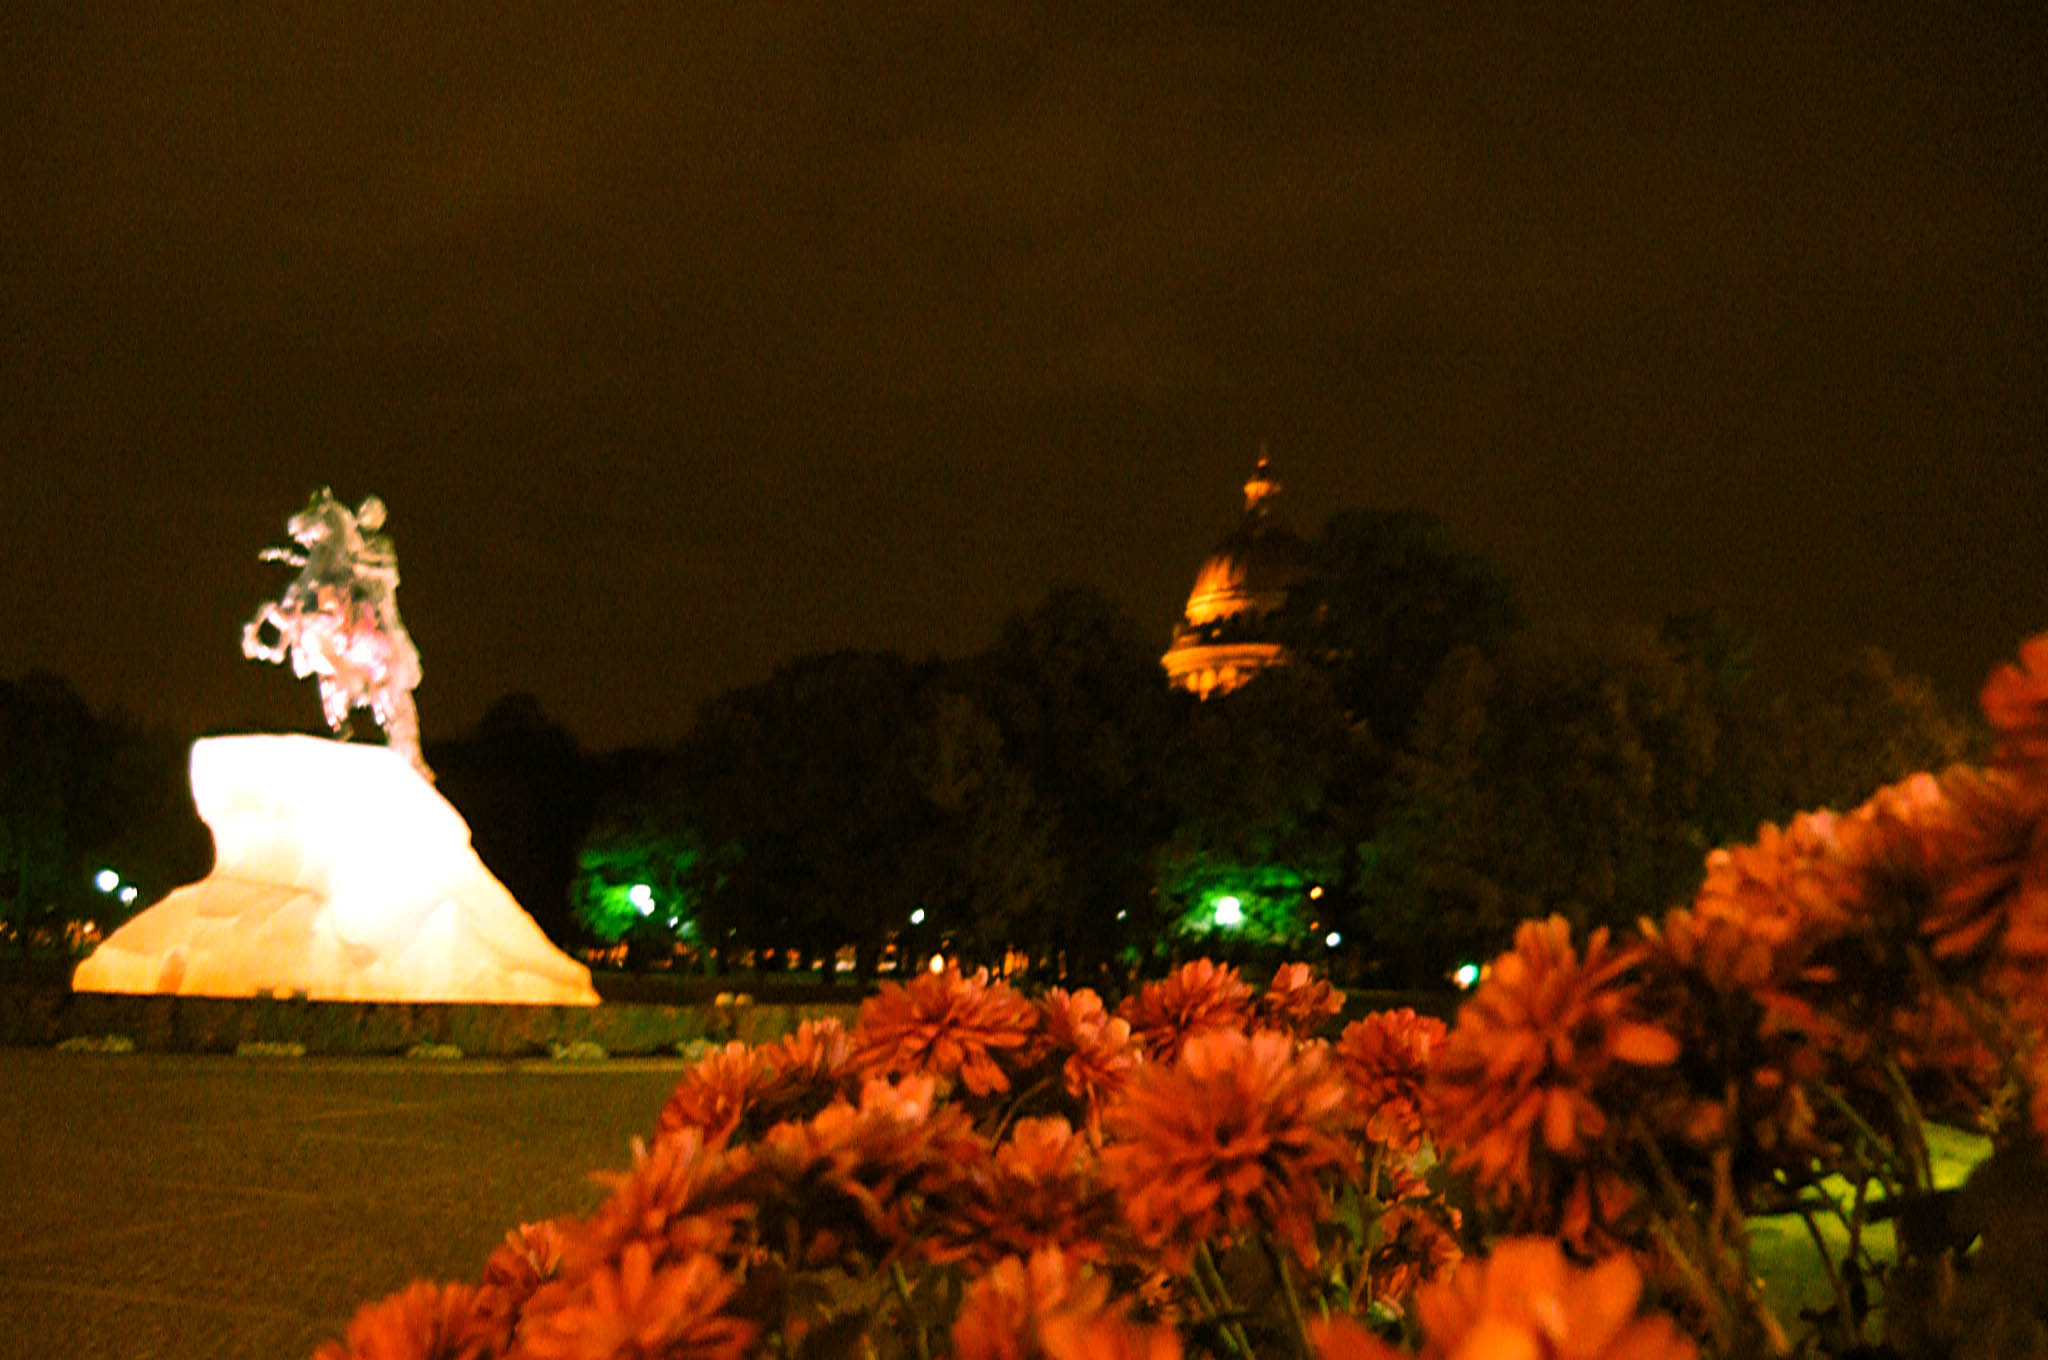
(338, 621)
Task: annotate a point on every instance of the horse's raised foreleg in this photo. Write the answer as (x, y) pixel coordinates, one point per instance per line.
(253, 645)
(334, 703)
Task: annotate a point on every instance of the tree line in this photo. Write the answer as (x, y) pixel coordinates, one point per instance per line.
(1425, 773)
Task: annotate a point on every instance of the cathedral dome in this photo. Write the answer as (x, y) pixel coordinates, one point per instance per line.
(1221, 639)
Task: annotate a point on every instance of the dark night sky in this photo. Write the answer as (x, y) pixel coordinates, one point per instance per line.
(686, 339)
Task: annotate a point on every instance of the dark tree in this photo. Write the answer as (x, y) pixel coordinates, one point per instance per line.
(1556, 776)
(1084, 711)
(813, 808)
(81, 791)
(1391, 599)
(521, 782)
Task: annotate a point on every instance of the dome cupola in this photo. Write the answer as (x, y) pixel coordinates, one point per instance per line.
(1223, 637)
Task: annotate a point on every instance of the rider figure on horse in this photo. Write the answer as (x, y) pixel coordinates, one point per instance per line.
(339, 620)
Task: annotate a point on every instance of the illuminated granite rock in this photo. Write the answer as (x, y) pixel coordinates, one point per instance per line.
(338, 873)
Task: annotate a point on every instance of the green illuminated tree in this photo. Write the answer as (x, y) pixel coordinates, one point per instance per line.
(1259, 783)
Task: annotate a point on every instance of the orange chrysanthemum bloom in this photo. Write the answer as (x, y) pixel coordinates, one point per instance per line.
(673, 1198)
(1527, 1300)
(1238, 1134)
(1194, 999)
(1042, 1188)
(1386, 1058)
(528, 1257)
(1107, 1338)
(1520, 1087)
(423, 1321)
(1736, 993)
(1947, 856)
(949, 1026)
(1415, 1245)
(714, 1092)
(1100, 1054)
(1299, 1002)
(1787, 889)
(817, 1056)
(642, 1308)
(2015, 699)
(1342, 1338)
(856, 1179)
(1003, 1312)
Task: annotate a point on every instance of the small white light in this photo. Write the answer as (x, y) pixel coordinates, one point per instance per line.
(917, 917)
(1229, 912)
(1121, 915)
(106, 880)
(938, 963)
(1315, 894)
(642, 898)
(1466, 975)
(1333, 939)
(129, 892)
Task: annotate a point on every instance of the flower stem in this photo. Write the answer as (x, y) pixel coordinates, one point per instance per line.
(1278, 1261)
(924, 1350)
(1227, 1313)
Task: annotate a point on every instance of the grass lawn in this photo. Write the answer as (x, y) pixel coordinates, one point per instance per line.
(1783, 1252)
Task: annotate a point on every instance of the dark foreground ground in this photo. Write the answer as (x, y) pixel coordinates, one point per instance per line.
(231, 1208)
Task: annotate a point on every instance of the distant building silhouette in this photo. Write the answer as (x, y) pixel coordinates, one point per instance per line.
(1225, 635)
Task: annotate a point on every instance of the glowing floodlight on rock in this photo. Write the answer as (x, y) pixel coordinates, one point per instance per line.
(1229, 912)
(338, 873)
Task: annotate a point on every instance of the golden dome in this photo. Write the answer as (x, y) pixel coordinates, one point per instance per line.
(1221, 640)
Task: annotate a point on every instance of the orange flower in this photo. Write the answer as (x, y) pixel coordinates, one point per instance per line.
(1786, 890)
(423, 1321)
(714, 1092)
(1235, 1135)
(1107, 1338)
(2015, 699)
(1299, 1002)
(1002, 1311)
(946, 1025)
(673, 1198)
(1341, 1338)
(1041, 1189)
(1523, 1086)
(1414, 1245)
(528, 1257)
(1194, 999)
(1527, 1300)
(642, 1309)
(1948, 856)
(856, 1179)
(818, 1056)
(1385, 1058)
(1100, 1054)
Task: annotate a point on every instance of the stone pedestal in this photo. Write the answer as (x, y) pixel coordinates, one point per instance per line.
(338, 873)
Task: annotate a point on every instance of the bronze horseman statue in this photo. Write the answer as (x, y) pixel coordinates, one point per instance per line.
(338, 620)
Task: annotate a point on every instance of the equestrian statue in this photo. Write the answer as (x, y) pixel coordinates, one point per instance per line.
(338, 621)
